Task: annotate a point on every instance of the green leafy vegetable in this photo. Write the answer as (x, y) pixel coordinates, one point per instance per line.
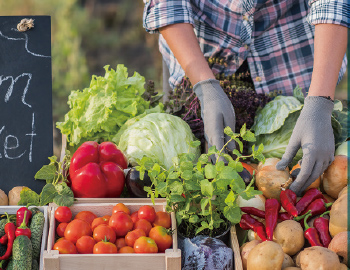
(55, 190)
(98, 112)
(159, 136)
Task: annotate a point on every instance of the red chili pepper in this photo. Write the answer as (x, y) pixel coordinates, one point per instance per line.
(251, 223)
(288, 200)
(272, 207)
(317, 207)
(261, 214)
(96, 170)
(23, 229)
(4, 239)
(20, 216)
(285, 216)
(322, 226)
(309, 196)
(254, 211)
(311, 234)
(10, 231)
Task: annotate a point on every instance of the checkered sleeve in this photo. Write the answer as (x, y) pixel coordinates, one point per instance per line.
(160, 13)
(329, 11)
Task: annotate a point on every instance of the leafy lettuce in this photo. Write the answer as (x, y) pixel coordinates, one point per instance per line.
(98, 112)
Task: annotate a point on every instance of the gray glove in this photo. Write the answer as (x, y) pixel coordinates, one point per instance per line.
(217, 113)
(314, 134)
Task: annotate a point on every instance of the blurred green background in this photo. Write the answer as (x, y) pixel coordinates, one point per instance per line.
(89, 34)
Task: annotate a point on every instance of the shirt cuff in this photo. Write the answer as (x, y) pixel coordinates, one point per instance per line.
(329, 11)
(160, 13)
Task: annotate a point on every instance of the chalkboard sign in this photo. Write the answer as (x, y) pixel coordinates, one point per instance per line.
(25, 101)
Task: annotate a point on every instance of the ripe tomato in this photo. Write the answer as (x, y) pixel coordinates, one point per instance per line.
(103, 247)
(99, 221)
(126, 249)
(121, 207)
(134, 216)
(132, 236)
(61, 228)
(85, 244)
(120, 242)
(65, 247)
(162, 219)
(76, 229)
(63, 214)
(162, 238)
(145, 245)
(147, 212)
(104, 232)
(121, 223)
(88, 216)
(143, 225)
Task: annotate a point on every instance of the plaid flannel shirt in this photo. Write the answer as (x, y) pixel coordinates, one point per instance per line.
(276, 37)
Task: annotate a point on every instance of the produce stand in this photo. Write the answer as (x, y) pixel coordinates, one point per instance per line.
(170, 260)
(11, 210)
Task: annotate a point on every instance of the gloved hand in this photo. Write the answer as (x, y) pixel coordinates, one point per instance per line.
(314, 134)
(217, 113)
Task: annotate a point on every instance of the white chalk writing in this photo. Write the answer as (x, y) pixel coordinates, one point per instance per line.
(13, 81)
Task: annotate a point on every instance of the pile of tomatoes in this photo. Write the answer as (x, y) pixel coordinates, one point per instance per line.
(143, 231)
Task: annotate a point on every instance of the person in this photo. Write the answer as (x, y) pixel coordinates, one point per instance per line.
(286, 44)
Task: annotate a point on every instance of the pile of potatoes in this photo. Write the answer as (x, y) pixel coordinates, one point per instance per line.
(13, 197)
(289, 249)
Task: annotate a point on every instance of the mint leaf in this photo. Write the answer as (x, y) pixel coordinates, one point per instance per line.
(176, 198)
(207, 188)
(228, 131)
(204, 204)
(210, 171)
(176, 188)
(233, 213)
(65, 196)
(195, 144)
(230, 199)
(193, 219)
(249, 136)
(48, 194)
(47, 172)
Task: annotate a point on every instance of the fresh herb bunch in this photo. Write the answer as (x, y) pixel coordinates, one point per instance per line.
(203, 195)
(56, 189)
(238, 87)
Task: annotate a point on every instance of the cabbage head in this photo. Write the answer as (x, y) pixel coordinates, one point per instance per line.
(159, 136)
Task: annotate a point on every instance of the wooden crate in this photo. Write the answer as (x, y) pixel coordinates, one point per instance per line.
(170, 260)
(44, 209)
(235, 247)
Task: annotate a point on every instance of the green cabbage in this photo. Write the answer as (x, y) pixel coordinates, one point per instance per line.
(159, 136)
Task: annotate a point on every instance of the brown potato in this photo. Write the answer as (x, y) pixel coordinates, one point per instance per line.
(287, 262)
(320, 258)
(343, 267)
(339, 245)
(269, 180)
(290, 235)
(291, 268)
(267, 255)
(4, 200)
(338, 221)
(245, 250)
(335, 178)
(15, 195)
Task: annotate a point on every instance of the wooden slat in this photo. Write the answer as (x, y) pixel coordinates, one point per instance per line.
(235, 248)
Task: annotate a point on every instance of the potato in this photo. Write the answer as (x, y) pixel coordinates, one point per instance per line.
(291, 268)
(4, 200)
(319, 258)
(339, 245)
(245, 250)
(345, 189)
(290, 235)
(343, 267)
(335, 178)
(253, 235)
(269, 180)
(338, 221)
(287, 262)
(258, 202)
(265, 256)
(328, 198)
(15, 195)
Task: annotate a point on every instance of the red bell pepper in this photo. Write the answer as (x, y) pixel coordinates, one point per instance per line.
(272, 207)
(96, 171)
